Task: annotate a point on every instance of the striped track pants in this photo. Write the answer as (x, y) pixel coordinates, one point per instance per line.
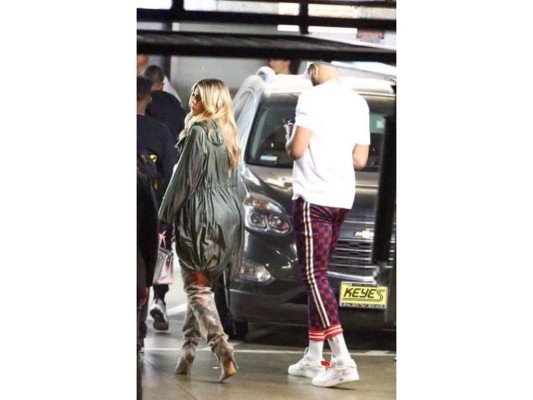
(317, 231)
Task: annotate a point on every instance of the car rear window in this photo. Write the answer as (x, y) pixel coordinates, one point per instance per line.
(266, 143)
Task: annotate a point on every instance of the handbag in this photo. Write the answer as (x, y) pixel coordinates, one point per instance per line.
(164, 267)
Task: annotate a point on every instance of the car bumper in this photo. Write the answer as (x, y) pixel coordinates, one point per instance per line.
(283, 299)
(253, 307)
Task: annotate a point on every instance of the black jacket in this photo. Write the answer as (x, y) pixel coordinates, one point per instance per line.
(147, 234)
(167, 109)
(157, 139)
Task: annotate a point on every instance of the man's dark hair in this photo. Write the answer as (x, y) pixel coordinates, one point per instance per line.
(294, 66)
(144, 86)
(154, 73)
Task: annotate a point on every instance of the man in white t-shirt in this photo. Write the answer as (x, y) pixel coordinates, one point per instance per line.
(331, 136)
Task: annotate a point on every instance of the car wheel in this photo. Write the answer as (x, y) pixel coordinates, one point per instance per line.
(234, 329)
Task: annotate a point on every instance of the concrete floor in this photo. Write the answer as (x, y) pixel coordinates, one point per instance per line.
(263, 358)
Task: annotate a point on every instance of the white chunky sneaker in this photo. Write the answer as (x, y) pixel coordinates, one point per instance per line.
(306, 367)
(336, 375)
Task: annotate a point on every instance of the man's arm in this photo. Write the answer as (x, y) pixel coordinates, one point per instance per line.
(360, 156)
(298, 143)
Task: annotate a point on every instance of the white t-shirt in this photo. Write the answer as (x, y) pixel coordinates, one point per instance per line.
(339, 119)
(167, 87)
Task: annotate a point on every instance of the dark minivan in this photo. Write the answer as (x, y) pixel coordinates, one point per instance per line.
(268, 287)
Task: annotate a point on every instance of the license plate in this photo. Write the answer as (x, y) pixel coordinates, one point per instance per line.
(352, 294)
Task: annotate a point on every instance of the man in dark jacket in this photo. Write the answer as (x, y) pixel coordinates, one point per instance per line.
(154, 137)
(164, 107)
(147, 245)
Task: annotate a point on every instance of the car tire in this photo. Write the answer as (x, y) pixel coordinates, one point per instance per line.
(234, 329)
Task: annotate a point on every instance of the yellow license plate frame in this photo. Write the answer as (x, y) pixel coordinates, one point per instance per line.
(356, 295)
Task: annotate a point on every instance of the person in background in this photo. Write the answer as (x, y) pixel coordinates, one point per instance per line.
(331, 137)
(156, 139)
(147, 245)
(164, 107)
(284, 66)
(203, 204)
(142, 63)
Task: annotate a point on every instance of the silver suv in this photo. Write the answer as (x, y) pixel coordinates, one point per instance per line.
(268, 288)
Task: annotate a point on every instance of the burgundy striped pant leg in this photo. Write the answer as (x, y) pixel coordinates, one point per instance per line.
(317, 231)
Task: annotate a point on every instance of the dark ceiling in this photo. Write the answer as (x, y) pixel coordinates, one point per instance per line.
(302, 46)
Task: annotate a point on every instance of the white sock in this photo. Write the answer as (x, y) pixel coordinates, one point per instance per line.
(315, 350)
(339, 350)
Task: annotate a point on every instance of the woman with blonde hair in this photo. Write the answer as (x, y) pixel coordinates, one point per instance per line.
(202, 203)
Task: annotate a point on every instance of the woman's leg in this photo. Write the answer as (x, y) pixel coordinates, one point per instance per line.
(191, 338)
(191, 330)
(202, 303)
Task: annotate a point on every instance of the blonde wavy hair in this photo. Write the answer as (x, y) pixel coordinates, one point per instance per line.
(218, 107)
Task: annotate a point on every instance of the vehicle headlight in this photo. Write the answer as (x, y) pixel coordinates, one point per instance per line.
(265, 215)
(251, 271)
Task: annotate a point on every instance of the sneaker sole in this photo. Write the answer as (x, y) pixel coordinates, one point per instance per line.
(159, 322)
(341, 383)
(309, 375)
